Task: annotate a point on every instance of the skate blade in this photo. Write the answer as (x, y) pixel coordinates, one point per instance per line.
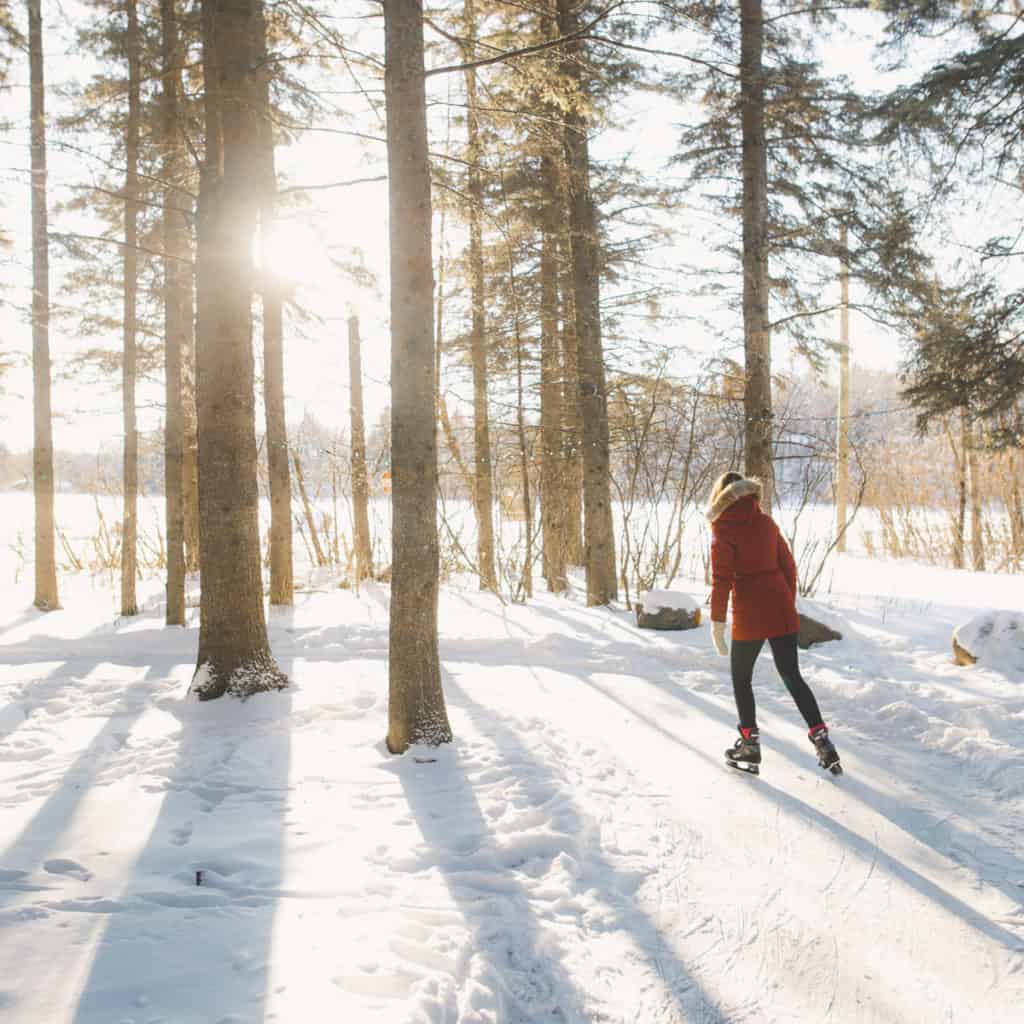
(742, 766)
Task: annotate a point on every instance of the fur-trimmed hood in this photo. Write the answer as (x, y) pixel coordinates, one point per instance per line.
(726, 497)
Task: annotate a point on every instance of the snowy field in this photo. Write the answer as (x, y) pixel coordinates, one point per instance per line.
(579, 854)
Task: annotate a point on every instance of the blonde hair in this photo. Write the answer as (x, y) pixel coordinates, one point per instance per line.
(722, 482)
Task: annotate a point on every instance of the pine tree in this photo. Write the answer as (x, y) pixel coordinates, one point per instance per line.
(130, 264)
(599, 535)
(786, 146)
(281, 572)
(416, 708)
(757, 393)
(483, 485)
(962, 117)
(360, 486)
(234, 653)
(177, 304)
(46, 598)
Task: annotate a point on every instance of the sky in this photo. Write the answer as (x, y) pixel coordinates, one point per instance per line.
(335, 223)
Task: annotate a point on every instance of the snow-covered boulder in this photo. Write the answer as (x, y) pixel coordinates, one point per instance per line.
(666, 609)
(994, 638)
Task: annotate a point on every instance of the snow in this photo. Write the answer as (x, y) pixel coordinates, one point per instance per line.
(579, 853)
(654, 600)
(995, 638)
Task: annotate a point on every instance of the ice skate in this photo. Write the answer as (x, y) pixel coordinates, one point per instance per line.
(745, 754)
(828, 756)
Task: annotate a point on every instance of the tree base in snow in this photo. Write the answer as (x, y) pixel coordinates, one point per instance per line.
(814, 632)
(260, 675)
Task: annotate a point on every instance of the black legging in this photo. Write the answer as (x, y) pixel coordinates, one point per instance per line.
(744, 654)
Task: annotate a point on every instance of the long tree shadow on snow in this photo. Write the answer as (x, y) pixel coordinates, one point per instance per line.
(562, 655)
(536, 952)
(797, 807)
(201, 953)
(28, 852)
(889, 807)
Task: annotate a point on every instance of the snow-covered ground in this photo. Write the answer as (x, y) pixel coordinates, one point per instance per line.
(579, 854)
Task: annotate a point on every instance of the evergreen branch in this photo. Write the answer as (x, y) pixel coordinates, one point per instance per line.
(798, 11)
(525, 51)
(116, 194)
(716, 68)
(803, 315)
(66, 236)
(333, 184)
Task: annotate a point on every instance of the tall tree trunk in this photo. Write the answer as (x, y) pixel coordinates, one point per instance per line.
(360, 488)
(962, 487)
(281, 570)
(572, 423)
(524, 466)
(1014, 501)
(234, 654)
(130, 263)
(757, 393)
(977, 513)
(466, 478)
(843, 423)
(190, 455)
(416, 707)
(599, 535)
(213, 166)
(483, 486)
(177, 308)
(554, 488)
(46, 598)
(555, 483)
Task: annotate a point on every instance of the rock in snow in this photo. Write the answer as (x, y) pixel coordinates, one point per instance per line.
(666, 609)
(814, 632)
(994, 638)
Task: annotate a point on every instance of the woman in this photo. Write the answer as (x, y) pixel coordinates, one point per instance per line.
(751, 559)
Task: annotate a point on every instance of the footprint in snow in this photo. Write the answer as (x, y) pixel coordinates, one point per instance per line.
(62, 866)
(182, 835)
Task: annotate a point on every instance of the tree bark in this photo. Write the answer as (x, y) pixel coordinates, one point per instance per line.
(360, 487)
(416, 707)
(1014, 502)
(843, 420)
(130, 265)
(281, 564)
(572, 424)
(757, 392)
(554, 487)
(524, 468)
(555, 482)
(177, 309)
(599, 537)
(234, 654)
(977, 514)
(483, 486)
(46, 598)
(960, 461)
(190, 455)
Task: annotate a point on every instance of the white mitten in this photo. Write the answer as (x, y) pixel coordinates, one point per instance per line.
(718, 636)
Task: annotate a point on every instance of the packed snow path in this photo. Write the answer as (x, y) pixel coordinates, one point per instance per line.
(579, 854)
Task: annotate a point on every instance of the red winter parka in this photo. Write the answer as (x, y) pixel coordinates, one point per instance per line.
(751, 559)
